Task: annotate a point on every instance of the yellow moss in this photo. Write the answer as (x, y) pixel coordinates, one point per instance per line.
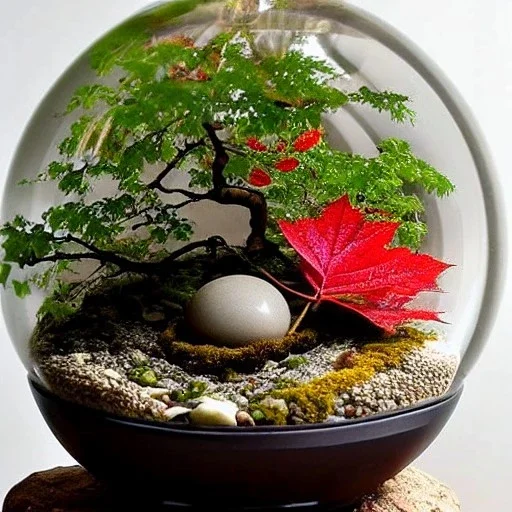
(316, 398)
(211, 359)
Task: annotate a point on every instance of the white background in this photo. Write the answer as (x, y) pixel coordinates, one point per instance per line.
(472, 42)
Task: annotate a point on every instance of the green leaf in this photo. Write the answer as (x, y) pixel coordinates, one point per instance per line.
(21, 289)
(55, 308)
(395, 104)
(88, 96)
(5, 270)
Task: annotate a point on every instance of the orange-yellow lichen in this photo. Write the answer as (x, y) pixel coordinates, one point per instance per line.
(210, 359)
(316, 398)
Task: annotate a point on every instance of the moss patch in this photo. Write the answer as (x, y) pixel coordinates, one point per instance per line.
(213, 360)
(316, 398)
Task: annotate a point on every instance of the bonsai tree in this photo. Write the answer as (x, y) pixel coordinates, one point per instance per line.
(247, 129)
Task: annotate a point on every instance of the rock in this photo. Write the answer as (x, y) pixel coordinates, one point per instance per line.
(157, 393)
(237, 310)
(211, 412)
(349, 411)
(67, 489)
(411, 491)
(72, 489)
(344, 360)
(244, 419)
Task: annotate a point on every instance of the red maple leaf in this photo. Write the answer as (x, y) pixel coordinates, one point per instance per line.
(346, 259)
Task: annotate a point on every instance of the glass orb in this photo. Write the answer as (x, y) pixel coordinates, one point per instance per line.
(280, 135)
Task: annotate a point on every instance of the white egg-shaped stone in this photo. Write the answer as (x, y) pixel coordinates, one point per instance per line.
(237, 310)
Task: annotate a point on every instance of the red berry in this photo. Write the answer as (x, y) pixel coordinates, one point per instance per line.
(259, 178)
(307, 140)
(281, 146)
(255, 144)
(287, 164)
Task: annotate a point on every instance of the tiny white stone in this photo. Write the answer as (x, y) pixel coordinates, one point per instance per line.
(238, 310)
(211, 412)
(156, 392)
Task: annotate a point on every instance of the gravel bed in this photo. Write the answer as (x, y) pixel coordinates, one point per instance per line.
(99, 375)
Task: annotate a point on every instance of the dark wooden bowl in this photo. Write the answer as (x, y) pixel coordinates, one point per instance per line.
(243, 468)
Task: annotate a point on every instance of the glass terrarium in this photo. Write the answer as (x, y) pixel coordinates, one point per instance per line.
(234, 218)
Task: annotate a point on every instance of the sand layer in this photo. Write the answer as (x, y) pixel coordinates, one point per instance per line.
(129, 376)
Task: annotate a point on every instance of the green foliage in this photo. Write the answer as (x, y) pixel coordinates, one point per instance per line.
(57, 309)
(166, 89)
(379, 185)
(5, 271)
(395, 104)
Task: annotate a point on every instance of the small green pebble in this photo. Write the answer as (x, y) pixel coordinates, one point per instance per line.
(257, 415)
(144, 376)
(194, 390)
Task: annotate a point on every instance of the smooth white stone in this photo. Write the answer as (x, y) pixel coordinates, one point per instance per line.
(238, 310)
(211, 412)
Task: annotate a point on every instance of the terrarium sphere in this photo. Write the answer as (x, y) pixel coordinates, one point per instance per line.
(237, 310)
(234, 169)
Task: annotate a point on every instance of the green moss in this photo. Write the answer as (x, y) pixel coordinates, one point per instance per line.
(210, 359)
(316, 398)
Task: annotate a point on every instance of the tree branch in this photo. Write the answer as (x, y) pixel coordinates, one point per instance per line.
(182, 153)
(221, 158)
(125, 264)
(224, 194)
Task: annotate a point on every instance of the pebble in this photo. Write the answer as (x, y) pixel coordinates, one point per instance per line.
(244, 419)
(425, 373)
(211, 412)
